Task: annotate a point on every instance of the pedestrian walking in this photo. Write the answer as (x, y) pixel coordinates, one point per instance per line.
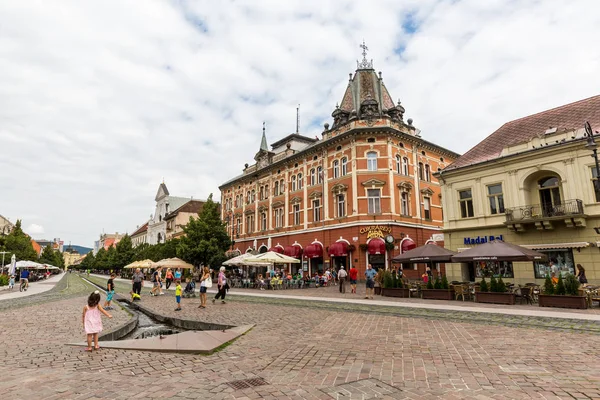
(110, 292)
(581, 275)
(353, 276)
(156, 279)
(370, 275)
(178, 295)
(137, 281)
(205, 282)
(177, 274)
(92, 320)
(222, 286)
(169, 278)
(11, 282)
(342, 274)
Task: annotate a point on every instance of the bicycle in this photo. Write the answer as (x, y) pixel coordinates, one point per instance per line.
(23, 285)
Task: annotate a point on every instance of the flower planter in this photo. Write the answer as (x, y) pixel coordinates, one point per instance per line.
(495, 298)
(395, 292)
(438, 294)
(377, 289)
(547, 300)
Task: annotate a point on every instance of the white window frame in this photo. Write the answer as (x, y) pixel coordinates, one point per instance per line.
(426, 207)
(374, 202)
(336, 169)
(296, 214)
(405, 164)
(399, 164)
(319, 175)
(496, 199)
(293, 185)
(466, 202)
(263, 221)
(313, 180)
(316, 205)
(300, 182)
(427, 173)
(372, 161)
(340, 205)
(344, 166)
(404, 203)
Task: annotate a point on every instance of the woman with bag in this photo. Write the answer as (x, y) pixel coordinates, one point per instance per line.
(205, 282)
(222, 285)
(581, 275)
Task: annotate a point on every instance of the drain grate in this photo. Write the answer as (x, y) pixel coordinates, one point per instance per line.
(247, 383)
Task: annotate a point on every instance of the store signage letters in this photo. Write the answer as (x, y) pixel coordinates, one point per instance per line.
(375, 231)
(481, 239)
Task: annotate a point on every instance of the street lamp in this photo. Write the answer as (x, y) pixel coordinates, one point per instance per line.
(591, 145)
(229, 221)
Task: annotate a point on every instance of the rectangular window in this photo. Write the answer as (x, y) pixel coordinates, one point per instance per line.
(421, 177)
(316, 204)
(319, 175)
(374, 200)
(336, 169)
(487, 269)
(496, 199)
(426, 208)
(465, 199)
(405, 166)
(404, 203)
(560, 261)
(263, 221)
(279, 218)
(313, 177)
(261, 193)
(238, 228)
(249, 224)
(340, 205)
(596, 185)
(344, 166)
(296, 214)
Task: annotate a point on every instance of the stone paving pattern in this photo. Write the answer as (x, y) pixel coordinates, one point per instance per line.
(302, 350)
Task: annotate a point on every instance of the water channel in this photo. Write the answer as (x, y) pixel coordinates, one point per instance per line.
(147, 326)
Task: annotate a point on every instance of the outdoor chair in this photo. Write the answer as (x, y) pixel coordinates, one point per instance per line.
(461, 291)
(524, 293)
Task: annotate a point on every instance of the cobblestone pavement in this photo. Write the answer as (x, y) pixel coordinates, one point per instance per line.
(301, 351)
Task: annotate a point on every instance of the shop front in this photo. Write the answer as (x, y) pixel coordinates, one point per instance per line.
(339, 254)
(295, 251)
(376, 254)
(313, 253)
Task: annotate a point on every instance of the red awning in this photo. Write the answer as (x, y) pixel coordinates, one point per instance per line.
(338, 249)
(376, 246)
(276, 249)
(292, 251)
(314, 250)
(407, 245)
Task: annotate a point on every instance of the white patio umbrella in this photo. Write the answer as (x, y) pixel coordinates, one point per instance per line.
(242, 260)
(172, 263)
(273, 258)
(28, 264)
(48, 266)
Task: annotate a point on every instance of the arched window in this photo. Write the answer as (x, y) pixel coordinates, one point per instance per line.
(248, 198)
(319, 175)
(300, 181)
(253, 199)
(421, 171)
(336, 169)
(405, 166)
(281, 186)
(398, 164)
(313, 177)
(372, 161)
(276, 188)
(427, 173)
(344, 166)
(266, 191)
(293, 183)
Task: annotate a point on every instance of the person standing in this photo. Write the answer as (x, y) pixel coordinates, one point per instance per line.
(137, 281)
(222, 286)
(342, 278)
(178, 295)
(92, 320)
(353, 275)
(203, 286)
(168, 278)
(156, 277)
(178, 273)
(581, 275)
(370, 275)
(110, 292)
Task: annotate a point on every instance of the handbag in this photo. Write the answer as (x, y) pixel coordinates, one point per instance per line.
(208, 282)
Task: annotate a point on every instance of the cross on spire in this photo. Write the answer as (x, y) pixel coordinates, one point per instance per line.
(364, 64)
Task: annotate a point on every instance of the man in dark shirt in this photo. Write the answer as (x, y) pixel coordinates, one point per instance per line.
(137, 281)
(25, 277)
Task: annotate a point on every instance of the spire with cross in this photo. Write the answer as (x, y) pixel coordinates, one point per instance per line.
(364, 64)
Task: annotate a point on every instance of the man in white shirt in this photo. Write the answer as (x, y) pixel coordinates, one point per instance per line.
(342, 274)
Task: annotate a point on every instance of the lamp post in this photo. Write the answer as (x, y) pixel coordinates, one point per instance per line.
(3, 253)
(591, 145)
(229, 220)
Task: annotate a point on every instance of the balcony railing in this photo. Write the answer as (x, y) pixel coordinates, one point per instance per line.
(541, 211)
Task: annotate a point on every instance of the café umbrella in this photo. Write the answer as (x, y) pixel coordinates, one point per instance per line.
(172, 263)
(498, 250)
(273, 258)
(242, 260)
(429, 253)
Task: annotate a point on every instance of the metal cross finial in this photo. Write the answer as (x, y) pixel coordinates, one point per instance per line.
(364, 64)
(365, 48)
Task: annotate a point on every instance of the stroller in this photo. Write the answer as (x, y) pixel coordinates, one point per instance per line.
(189, 290)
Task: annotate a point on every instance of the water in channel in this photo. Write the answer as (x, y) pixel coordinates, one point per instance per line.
(148, 327)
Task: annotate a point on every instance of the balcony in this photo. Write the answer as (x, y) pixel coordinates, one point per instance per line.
(543, 216)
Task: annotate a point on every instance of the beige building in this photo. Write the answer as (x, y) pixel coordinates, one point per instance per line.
(140, 235)
(530, 183)
(71, 257)
(180, 217)
(5, 226)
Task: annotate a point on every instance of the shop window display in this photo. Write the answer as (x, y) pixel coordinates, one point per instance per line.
(560, 261)
(487, 269)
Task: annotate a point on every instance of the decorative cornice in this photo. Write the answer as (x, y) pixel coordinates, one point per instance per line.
(315, 194)
(427, 191)
(296, 200)
(249, 211)
(406, 186)
(339, 187)
(277, 204)
(373, 183)
(262, 208)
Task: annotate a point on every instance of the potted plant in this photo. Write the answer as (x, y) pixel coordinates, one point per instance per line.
(495, 293)
(564, 295)
(393, 286)
(438, 290)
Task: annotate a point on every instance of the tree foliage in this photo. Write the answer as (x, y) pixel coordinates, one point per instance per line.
(19, 243)
(206, 239)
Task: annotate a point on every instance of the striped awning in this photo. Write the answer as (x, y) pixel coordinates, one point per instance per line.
(554, 246)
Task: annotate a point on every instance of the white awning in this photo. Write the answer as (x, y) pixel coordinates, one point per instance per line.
(551, 246)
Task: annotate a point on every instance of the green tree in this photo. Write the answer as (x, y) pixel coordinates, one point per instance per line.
(89, 261)
(124, 253)
(111, 257)
(101, 259)
(19, 243)
(560, 286)
(206, 239)
(483, 286)
(47, 256)
(548, 285)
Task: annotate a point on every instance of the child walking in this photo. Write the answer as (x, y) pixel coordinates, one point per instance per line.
(11, 282)
(110, 292)
(178, 294)
(92, 320)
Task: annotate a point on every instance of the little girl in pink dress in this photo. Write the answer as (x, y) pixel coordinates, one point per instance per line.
(92, 320)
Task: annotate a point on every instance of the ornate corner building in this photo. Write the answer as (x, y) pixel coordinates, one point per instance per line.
(361, 194)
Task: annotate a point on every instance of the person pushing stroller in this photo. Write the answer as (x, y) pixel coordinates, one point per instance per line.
(190, 288)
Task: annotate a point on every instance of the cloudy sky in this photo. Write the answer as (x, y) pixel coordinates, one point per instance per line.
(101, 100)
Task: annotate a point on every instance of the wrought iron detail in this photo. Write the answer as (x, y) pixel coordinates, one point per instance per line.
(364, 64)
(536, 212)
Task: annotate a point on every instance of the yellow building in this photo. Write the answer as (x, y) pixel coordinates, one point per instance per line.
(71, 257)
(529, 183)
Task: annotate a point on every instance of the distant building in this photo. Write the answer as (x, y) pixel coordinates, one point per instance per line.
(180, 217)
(70, 257)
(5, 226)
(140, 235)
(107, 240)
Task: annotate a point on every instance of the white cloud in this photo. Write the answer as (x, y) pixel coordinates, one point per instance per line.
(34, 229)
(101, 100)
